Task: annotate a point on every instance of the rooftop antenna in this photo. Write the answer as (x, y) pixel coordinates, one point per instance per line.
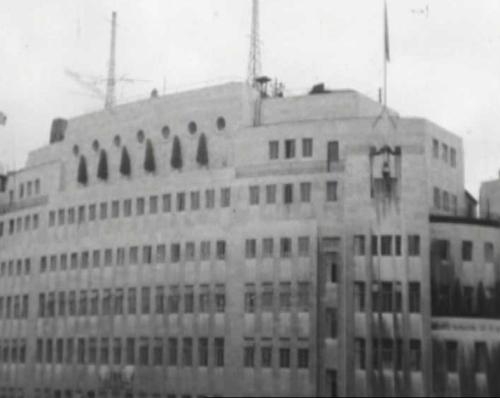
(254, 61)
(111, 81)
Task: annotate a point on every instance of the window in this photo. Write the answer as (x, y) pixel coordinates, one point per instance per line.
(303, 246)
(414, 293)
(161, 253)
(127, 207)
(360, 353)
(225, 199)
(446, 201)
(289, 149)
(166, 203)
(94, 302)
(140, 206)
(203, 352)
(467, 250)
(445, 153)
(452, 356)
(153, 204)
(188, 300)
(195, 200)
(92, 350)
(307, 147)
(115, 209)
(159, 300)
(81, 214)
(286, 247)
(305, 192)
(210, 198)
(288, 193)
(480, 357)
(254, 194)
(187, 351)
(204, 299)
(173, 300)
(489, 252)
(386, 245)
(144, 351)
(250, 248)
(332, 153)
(437, 198)
(250, 298)
(285, 296)
(104, 351)
(435, 149)
(175, 252)
(81, 351)
(397, 245)
(172, 351)
(267, 247)
(220, 298)
(331, 191)
(61, 216)
(130, 351)
(219, 352)
(103, 209)
(181, 201)
(303, 296)
(266, 354)
(158, 351)
(454, 204)
(52, 219)
(132, 301)
(249, 353)
(205, 250)
(221, 250)
(387, 354)
(134, 255)
(415, 355)
(145, 300)
(359, 296)
(270, 194)
(284, 357)
(147, 255)
(303, 358)
(267, 297)
(413, 245)
(117, 351)
(359, 245)
(453, 157)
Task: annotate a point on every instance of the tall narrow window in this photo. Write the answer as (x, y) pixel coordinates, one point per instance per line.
(274, 150)
(254, 194)
(289, 149)
(305, 192)
(288, 193)
(307, 147)
(331, 191)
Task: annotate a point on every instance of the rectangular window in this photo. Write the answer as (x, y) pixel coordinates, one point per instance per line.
(285, 296)
(190, 251)
(467, 248)
(274, 148)
(266, 354)
(386, 245)
(83, 303)
(173, 300)
(303, 358)
(159, 300)
(286, 247)
(131, 300)
(284, 357)
(172, 351)
(332, 153)
(267, 247)
(359, 296)
(360, 353)
(250, 248)
(187, 351)
(161, 253)
(332, 322)
(104, 355)
(127, 207)
(219, 352)
(96, 258)
(133, 255)
(387, 354)
(144, 351)
(81, 214)
(413, 245)
(445, 153)
(414, 293)
(92, 350)
(307, 147)
(108, 257)
(331, 191)
(446, 201)
(145, 300)
(225, 198)
(453, 157)
(254, 194)
(305, 192)
(140, 206)
(204, 299)
(288, 193)
(435, 149)
(452, 356)
(480, 357)
(147, 255)
(359, 245)
(437, 198)
(115, 209)
(267, 297)
(70, 350)
(130, 351)
(489, 252)
(61, 216)
(250, 298)
(221, 249)
(205, 250)
(71, 215)
(117, 351)
(415, 355)
(94, 302)
(167, 203)
(303, 296)
(181, 201)
(72, 303)
(249, 353)
(158, 351)
(188, 300)
(289, 149)
(175, 252)
(52, 220)
(153, 204)
(80, 351)
(210, 198)
(303, 246)
(270, 194)
(195, 200)
(120, 256)
(203, 352)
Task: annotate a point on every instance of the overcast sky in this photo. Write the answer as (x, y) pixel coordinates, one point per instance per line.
(445, 58)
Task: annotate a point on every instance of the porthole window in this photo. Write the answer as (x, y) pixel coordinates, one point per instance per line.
(221, 123)
(117, 140)
(165, 132)
(192, 127)
(76, 150)
(140, 136)
(95, 145)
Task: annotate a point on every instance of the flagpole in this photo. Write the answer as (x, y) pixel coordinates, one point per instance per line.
(385, 41)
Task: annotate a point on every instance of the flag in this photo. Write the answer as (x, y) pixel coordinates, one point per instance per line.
(3, 118)
(386, 35)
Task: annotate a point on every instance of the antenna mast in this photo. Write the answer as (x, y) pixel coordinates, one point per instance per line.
(111, 81)
(254, 63)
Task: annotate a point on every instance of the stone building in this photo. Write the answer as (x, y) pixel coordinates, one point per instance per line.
(226, 242)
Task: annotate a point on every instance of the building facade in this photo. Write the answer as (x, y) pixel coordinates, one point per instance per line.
(224, 242)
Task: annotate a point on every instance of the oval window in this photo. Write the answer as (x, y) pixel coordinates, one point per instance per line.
(165, 132)
(95, 145)
(117, 140)
(140, 136)
(221, 123)
(192, 127)
(76, 150)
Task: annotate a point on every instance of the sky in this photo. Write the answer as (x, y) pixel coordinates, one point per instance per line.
(445, 59)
